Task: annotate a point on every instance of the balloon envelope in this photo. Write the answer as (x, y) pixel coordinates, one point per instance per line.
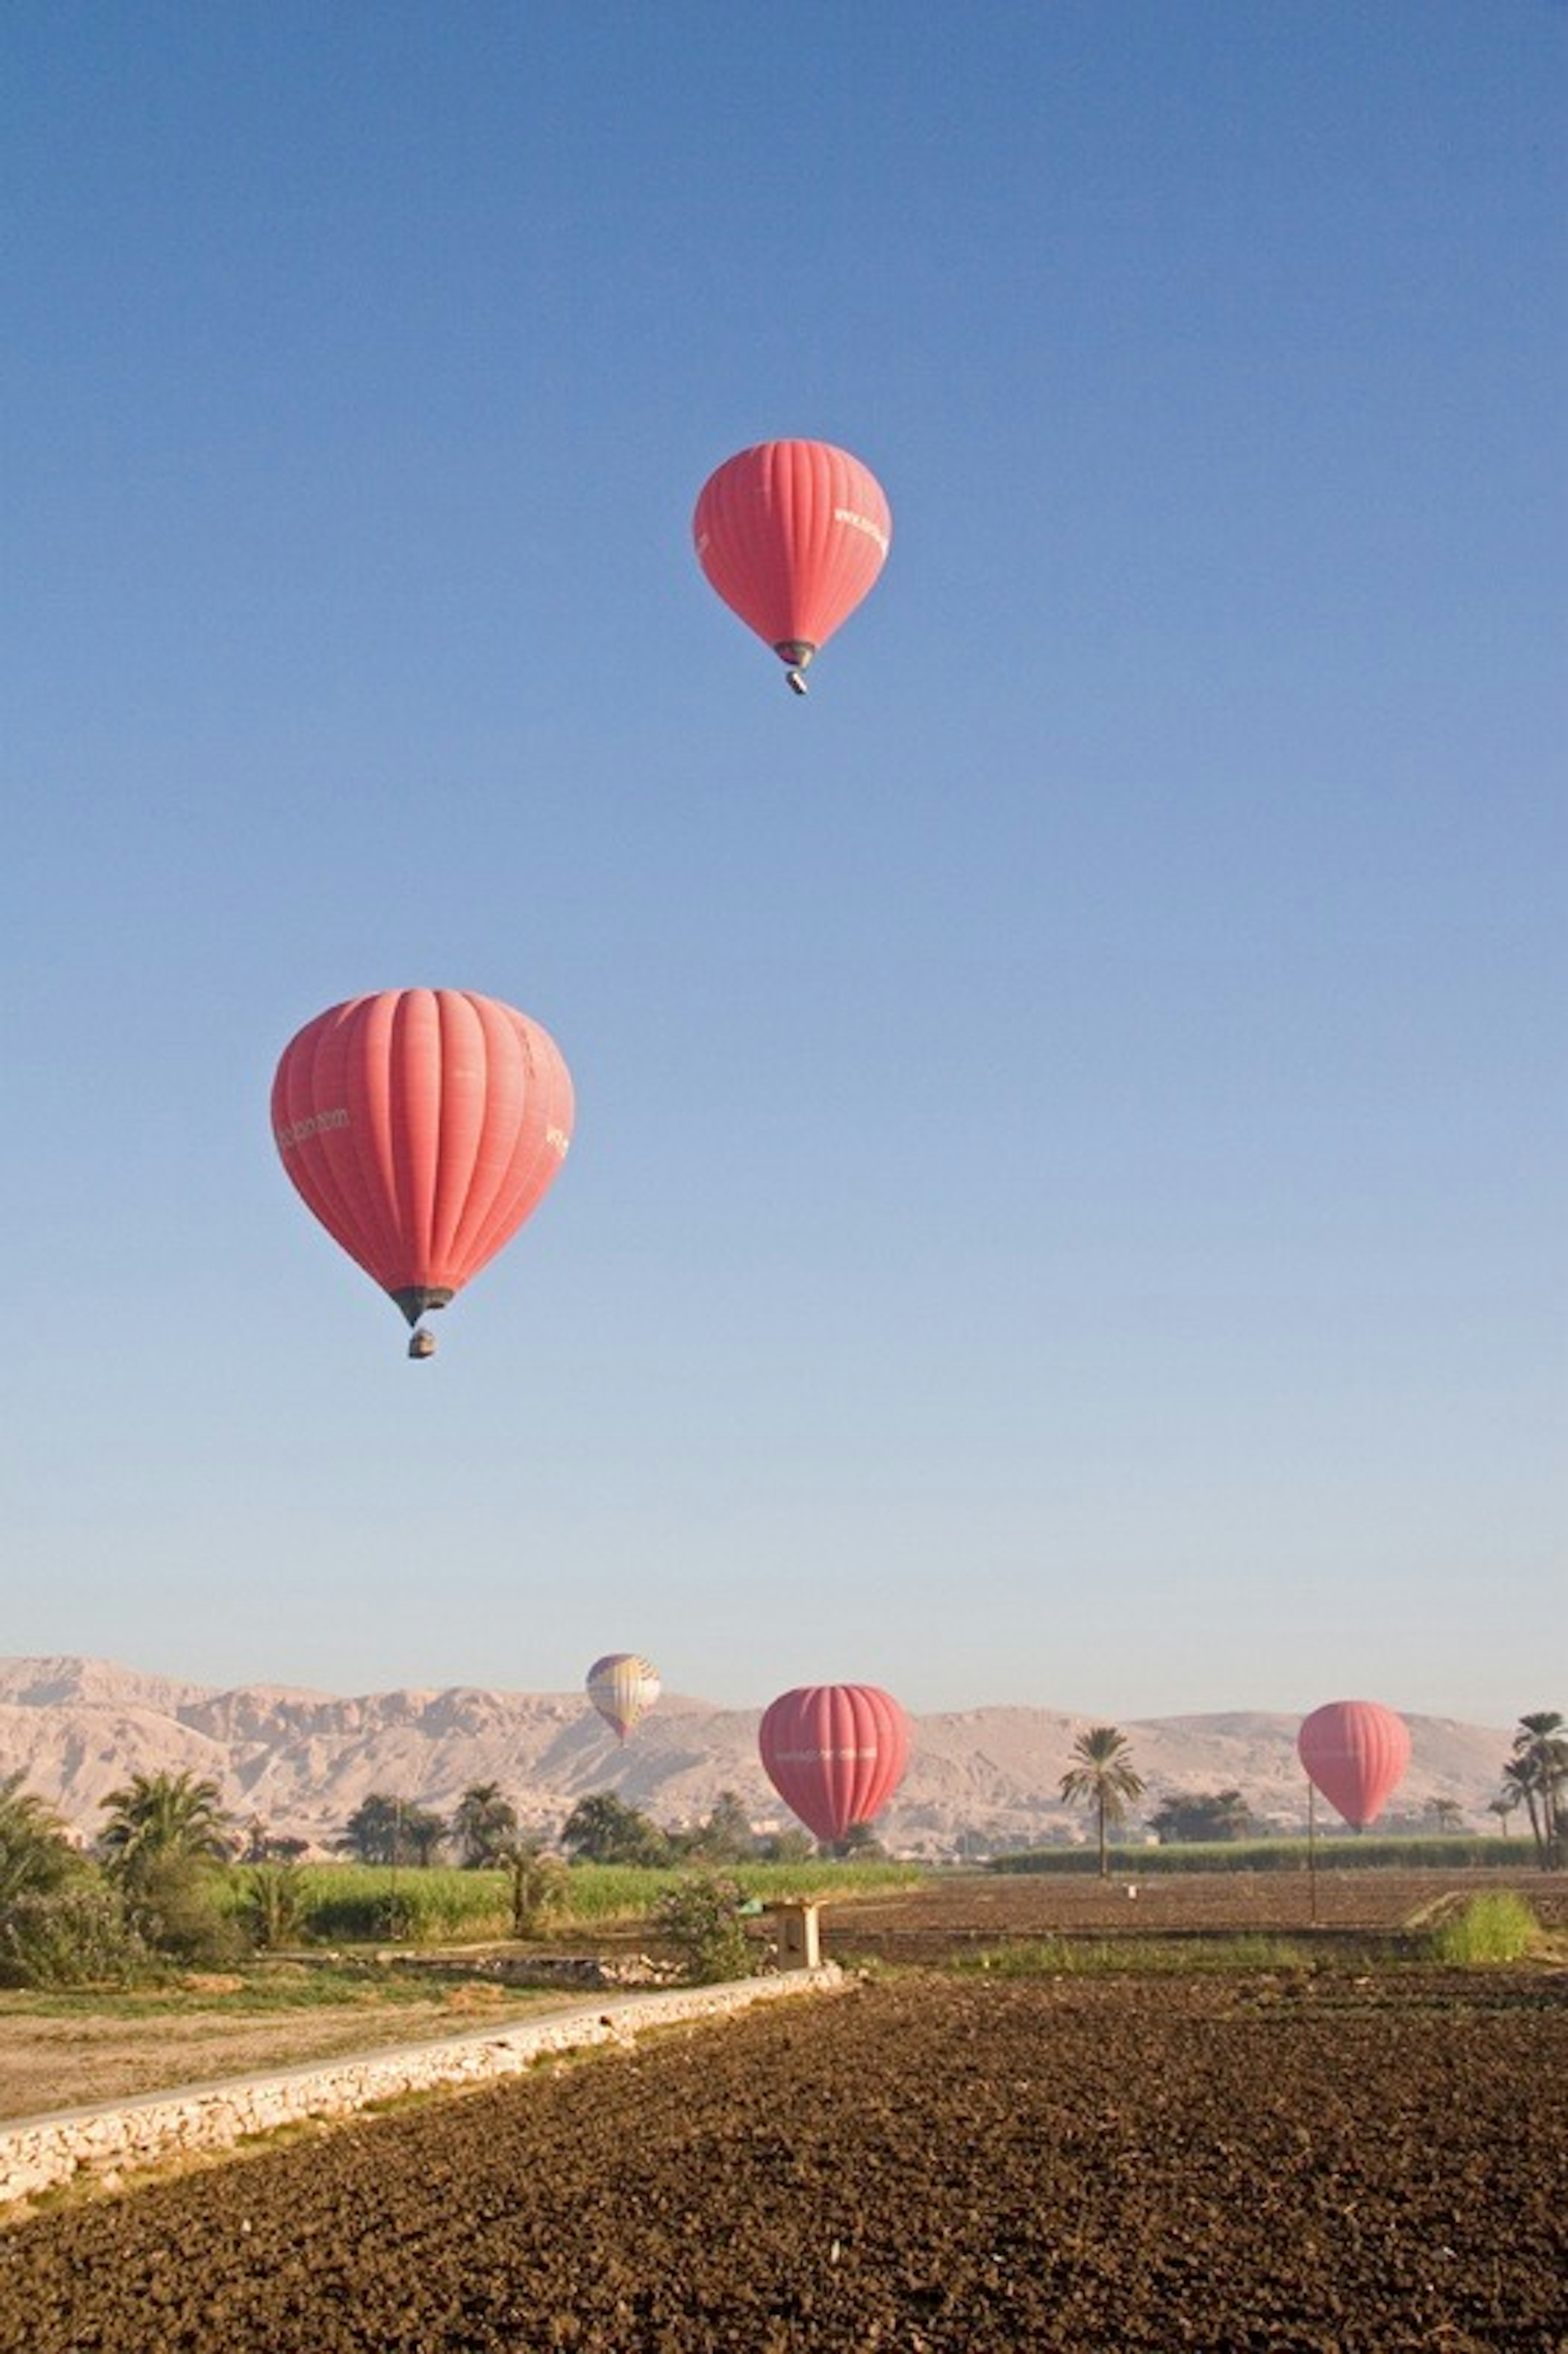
(422, 1127)
(1355, 1752)
(792, 535)
(623, 1687)
(834, 1752)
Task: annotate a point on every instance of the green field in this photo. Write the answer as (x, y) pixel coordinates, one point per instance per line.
(346, 1904)
(1356, 1853)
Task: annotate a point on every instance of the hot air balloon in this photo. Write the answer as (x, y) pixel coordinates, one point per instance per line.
(623, 1687)
(834, 1752)
(422, 1127)
(1355, 1752)
(792, 535)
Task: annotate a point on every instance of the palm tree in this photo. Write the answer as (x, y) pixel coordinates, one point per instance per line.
(602, 1828)
(425, 1832)
(36, 1855)
(160, 1818)
(1538, 1771)
(1519, 1790)
(374, 1832)
(165, 1833)
(384, 1829)
(484, 1825)
(1102, 1777)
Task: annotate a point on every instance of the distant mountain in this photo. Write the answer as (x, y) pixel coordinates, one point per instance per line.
(302, 1761)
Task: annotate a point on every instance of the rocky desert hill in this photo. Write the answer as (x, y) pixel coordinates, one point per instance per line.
(302, 1761)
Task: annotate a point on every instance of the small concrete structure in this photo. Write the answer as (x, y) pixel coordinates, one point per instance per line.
(799, 1937)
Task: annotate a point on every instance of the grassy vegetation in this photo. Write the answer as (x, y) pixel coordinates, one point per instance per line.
(1351, 1853)
(1498, 1927)
(350, 1904)
(263, 1989)
(1032, 1958)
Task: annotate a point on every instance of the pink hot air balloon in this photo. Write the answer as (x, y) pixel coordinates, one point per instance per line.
(1355, 1752)
(834, 1752)
(422, 1127)
(792, 535)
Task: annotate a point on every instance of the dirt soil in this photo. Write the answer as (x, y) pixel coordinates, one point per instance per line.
(952, 1912)
(1309, 2164)
(69, 2062)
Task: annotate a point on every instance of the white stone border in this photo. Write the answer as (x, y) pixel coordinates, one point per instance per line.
(104, 2142)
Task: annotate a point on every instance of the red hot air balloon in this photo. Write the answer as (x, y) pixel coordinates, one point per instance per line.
(834, 1752)
(1355, 1752)
(792, 535)
(422, 1127)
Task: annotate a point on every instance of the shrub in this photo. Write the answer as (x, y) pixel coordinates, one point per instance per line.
(1498, 1927)
(700, 1916)
(75, 1935)
(179, 1906)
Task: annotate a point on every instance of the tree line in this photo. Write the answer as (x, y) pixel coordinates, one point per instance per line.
(1103, 1777)
(150, 1889)
(482, 1833)
(153, 1890)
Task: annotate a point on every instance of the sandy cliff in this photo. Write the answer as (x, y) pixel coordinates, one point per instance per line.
(302, 1761)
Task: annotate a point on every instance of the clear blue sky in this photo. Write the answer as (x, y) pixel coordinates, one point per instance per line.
(1068, 1201)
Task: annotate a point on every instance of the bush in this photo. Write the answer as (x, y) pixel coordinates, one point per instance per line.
(71, 1937)
(179, 1906)
(700, 1916)
(1496, 1927)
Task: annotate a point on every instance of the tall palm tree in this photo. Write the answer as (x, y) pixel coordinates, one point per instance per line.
(1539, 1768)
(1102, 1775)
(484, 1824)
(36, 1855)
(164, 1817)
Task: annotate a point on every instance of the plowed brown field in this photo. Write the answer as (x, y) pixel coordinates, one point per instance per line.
(1323, 2164)
(951, 1912)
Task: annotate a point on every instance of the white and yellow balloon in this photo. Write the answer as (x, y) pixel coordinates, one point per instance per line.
(623, 1687)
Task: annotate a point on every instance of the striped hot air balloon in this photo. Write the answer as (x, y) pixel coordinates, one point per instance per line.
(1355, 1752)
(623, 1687)
(793, 535)
(422, 1127)
(834, 1752)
